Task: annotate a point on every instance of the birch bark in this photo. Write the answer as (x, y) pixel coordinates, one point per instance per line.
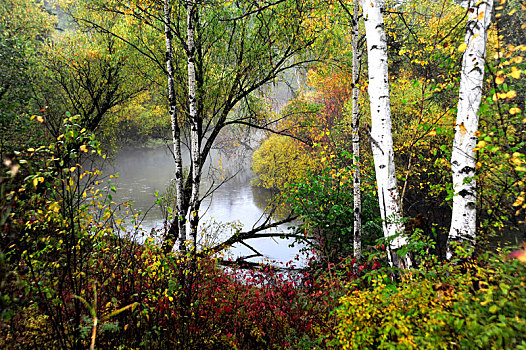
(356, 57)
(464, 217)
(380, 134)
(195, 137)
(177, 228)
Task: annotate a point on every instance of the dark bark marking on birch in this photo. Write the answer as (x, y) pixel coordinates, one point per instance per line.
(467, 170)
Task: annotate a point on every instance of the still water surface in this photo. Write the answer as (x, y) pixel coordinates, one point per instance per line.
(143, 172)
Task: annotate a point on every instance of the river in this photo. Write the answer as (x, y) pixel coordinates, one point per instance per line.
(142, 172)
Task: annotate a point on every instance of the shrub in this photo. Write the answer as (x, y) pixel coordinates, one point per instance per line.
(439, 308)
(324, 201)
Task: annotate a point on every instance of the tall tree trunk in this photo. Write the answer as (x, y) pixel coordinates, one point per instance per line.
(195, 137)
(464, 218)
(380, 134)
(177, 228)
(356, 58)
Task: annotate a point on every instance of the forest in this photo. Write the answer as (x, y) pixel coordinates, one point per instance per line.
(382, 143)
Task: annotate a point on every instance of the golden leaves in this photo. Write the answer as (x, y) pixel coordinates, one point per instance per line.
(38, 118)
(511, 94)
(515, 73)
(499, 80)
(504, 95)
(519, 201)
(515, 110)
(462, 47)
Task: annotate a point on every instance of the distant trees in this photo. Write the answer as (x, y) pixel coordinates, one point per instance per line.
(87, 75)
(23, 27)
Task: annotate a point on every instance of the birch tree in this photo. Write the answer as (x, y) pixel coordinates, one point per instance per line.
(464, 217)
(216, 58)
(356, 57)
(195, 122)
(380, 134)
(178, 227)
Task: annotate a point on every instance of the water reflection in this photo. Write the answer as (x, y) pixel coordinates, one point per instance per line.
(145, 171)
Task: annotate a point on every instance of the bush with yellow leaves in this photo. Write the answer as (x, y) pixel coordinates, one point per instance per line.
(468, 306)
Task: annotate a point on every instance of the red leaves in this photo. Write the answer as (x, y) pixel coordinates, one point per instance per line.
(519, 254)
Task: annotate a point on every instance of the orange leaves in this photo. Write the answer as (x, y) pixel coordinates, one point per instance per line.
(499, 80)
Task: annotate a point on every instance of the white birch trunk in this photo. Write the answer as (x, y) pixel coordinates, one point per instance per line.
(381, 137)
(195, 137)
(464, 217)
(356, 57)
(177, 230)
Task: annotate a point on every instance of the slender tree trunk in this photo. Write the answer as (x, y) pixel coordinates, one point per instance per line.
(195, 137)
(380, 134)
(464, 218)
(356, 57)
(177, 228)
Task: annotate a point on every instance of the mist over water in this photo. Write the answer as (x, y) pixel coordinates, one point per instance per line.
(142, 172)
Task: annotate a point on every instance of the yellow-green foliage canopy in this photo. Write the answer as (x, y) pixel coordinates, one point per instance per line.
(281, 161)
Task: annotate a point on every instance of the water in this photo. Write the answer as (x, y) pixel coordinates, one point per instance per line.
(236, 202)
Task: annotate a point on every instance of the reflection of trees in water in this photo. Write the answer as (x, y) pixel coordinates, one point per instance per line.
(144, 171)
(262, 196)
(270, 200)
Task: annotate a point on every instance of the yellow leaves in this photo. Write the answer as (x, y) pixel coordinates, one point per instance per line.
(516, 158)
(39, 118)
(462, 47)
(54, 207)
(514, 110)
(36, 180)
(518, 201)
(504, 95)
(480, 16)
(515, 73)
(511, 94)
(106, 215)
(499, 80)
(83, 148)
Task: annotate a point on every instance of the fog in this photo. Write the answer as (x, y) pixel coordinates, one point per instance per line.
(236, 202)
